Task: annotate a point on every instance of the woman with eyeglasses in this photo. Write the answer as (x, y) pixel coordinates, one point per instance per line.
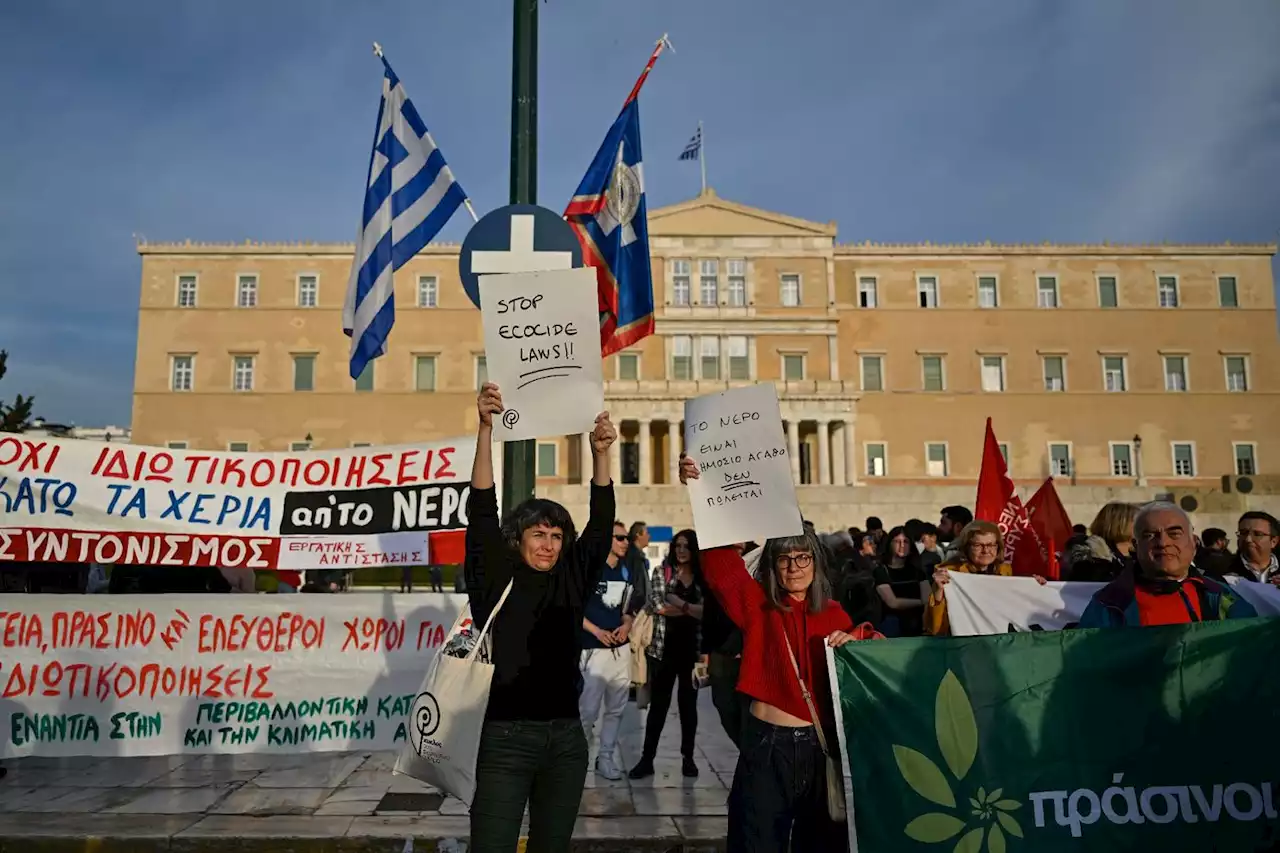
(788, 617)
(979, 551)
(675, 600)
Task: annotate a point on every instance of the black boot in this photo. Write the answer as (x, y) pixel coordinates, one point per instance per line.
(688, 768)
(643, 769)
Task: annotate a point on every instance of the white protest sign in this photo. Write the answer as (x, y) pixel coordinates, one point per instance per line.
(69, 500)
(745, 492)
(177, 674)
(542, 348)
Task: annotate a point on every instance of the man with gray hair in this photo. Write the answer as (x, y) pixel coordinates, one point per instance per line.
(1163, 588)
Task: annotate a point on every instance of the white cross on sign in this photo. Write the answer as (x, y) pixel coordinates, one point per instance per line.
(521, 257)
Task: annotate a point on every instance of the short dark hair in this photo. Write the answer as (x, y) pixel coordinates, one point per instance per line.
(636, 528)
(1259, 515)
(874, 523)
(957, 514)
(1213, 534)
(1080, 530)
(928, 529)
(537, 511)
(912, 529)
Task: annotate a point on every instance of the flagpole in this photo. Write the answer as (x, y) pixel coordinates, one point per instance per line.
(702, 157)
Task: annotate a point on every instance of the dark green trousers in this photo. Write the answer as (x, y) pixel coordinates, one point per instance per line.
(541, 764)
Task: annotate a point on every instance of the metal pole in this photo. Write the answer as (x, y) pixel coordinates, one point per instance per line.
(518, 456)
(702, 156)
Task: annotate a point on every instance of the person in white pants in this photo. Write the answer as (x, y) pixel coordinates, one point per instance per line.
(606, 656)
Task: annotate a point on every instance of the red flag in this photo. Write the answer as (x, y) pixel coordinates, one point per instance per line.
(998, 502)
(1051, 523)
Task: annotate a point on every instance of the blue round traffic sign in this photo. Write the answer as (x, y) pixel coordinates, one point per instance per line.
(516, 238)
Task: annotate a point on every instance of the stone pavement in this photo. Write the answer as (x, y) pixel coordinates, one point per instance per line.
(340, 802)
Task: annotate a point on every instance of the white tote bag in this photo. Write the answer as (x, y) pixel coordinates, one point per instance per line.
(447, 718)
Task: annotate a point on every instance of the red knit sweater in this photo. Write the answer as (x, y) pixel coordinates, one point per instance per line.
(766, 672)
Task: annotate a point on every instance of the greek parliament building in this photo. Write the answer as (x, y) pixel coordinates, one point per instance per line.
(1124, 371)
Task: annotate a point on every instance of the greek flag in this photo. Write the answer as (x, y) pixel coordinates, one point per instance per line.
(694, 148)
(410, 194)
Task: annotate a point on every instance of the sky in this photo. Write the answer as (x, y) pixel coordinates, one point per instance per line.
(938, 120)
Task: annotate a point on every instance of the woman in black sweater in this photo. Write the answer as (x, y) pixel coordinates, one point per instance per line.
(532, 751)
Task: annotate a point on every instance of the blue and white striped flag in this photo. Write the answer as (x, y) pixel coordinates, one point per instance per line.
(409, 196)
(694, 147)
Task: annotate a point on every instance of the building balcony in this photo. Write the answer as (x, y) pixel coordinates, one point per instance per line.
(682, 389)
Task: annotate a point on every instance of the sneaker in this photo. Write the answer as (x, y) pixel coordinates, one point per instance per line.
(688, 768)
(607, 768)
(642, 770)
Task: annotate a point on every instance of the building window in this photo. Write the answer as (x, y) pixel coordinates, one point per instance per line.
(1113, 373)
(872, 373)
(792, 367)
(1246, 461)
(176, 445)
(680, 282)
(739, 361)
(424, 373)
(1121, 459)
(242, 373)
(1055, 373)
(1059, 460)
(1237, 367)
(993, 373)
(1167, 287)
(867, 292)
(629, 366)
(709, 365)
(1175, 373)
(1047, 291)
(927, 291)
(877, 460)
(988, 295)
(1004, 454)
(791, 290)
(238, 447)
(186, 291)
(428, 291)
(709, 283)
(182, 374)
(547, 459)
(1184, 459)
(1227, 296)
(247, 291)
(482, 371)
(737, 282)
(934, 378)
(681, 357)
(299, 446)
(364, 382)
(935, 454)
(304, 373)
(308, 291)
(1108, 295)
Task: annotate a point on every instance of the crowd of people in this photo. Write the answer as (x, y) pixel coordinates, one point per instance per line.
(585, 621)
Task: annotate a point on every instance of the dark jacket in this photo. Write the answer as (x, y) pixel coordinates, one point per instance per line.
(856, 591)
(1092, 560)
(1220, 566)
(1116, 604)
(638, 568)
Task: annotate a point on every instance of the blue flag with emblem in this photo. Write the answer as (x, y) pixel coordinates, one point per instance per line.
(409, 196)
(608, 216)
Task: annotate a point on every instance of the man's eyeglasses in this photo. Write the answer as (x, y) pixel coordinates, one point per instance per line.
(619, 537)
(1253, 534)
(800, 561)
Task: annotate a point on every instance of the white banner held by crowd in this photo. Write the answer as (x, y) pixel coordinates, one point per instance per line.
(979, 604)
(542, 348)
(68, 500)
(179, 674)
(745, 491)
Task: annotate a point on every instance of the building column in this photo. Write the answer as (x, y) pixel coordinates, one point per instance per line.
(850, 455)
(673, 451)
(824, 453)
(837, 457)
(615, 458)
(588, 466)
(793, 449)
(646, 452)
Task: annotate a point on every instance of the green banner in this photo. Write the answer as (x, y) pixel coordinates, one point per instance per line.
(1124, 739)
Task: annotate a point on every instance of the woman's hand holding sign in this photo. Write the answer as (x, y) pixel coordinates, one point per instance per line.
(488, 404)
(603, 435)
(688, 470)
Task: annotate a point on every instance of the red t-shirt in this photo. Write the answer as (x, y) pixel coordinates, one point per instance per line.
(1169, 608)
(767, 674)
